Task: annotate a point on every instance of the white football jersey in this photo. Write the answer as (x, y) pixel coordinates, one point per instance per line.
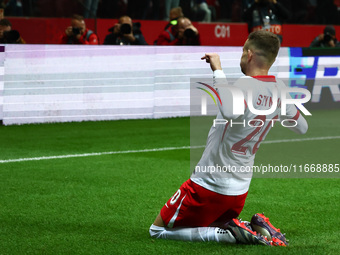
(232, 144)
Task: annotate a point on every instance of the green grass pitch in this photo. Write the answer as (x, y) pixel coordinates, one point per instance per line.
(105, 204)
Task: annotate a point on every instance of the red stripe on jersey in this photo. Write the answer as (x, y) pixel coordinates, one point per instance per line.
(265, 78)
(297, 115)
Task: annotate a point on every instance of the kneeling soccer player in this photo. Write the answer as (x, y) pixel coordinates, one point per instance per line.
(206, 206)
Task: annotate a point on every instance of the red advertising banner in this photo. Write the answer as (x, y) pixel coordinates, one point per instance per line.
(49, 30)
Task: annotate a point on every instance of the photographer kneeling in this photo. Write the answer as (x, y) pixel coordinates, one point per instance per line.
(77, 33)
(183, 33)
(125, 33)
(327, 39)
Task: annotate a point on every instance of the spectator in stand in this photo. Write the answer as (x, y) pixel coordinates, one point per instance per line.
(327, 39)
(90, 8)
(12, 7)
(5, 26)
(175, 14)
(7, 35)
(77, 33)
(300, 11)
(266, 15)
(203, 13)
(184, 33)
(125, 33)
(169, 5)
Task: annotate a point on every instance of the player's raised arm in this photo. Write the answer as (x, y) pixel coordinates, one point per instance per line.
(220, 83)
(215, 64)
(214, 60)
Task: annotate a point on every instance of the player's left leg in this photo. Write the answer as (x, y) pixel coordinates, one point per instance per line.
(159, 221)
(189, 212)
(199, 234)
(187, 208)
(236, 232)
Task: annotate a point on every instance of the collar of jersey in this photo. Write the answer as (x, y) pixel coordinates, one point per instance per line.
(265, 78)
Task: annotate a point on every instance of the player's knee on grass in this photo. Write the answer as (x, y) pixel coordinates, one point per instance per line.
(156, 231)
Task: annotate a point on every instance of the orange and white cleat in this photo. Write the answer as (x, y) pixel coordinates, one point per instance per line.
(245, 235)
(262, 225)
(277, 242)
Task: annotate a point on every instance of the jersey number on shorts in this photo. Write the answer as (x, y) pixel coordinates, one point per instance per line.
(175, 197)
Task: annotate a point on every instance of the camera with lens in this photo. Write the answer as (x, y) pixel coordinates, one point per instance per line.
(75, 30)
(125, 29)
(327, 37)
(11, 36)
(189, 33)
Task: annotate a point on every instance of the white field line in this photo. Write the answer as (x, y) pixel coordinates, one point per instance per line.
(153, 150)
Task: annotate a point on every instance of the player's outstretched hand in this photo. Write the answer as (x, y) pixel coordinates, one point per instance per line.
(214, 60)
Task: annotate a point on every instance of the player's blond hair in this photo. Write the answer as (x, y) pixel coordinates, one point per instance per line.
(265, 44)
